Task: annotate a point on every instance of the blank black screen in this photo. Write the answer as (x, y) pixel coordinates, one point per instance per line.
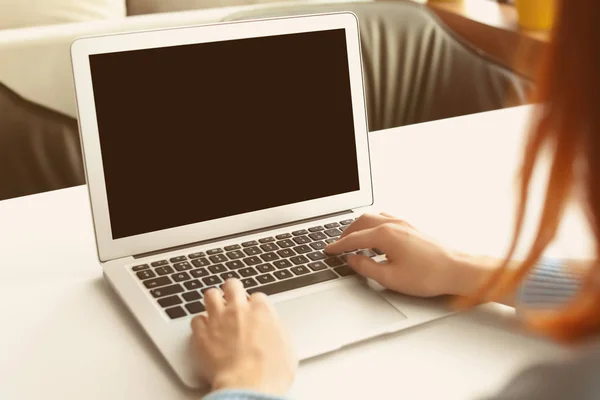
(198, 132)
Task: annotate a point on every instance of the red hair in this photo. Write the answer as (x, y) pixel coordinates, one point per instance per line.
(567, 123)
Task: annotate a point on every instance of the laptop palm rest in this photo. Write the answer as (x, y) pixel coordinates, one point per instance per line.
(327, 320)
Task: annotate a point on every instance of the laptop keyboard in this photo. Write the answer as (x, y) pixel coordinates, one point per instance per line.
(270, 265)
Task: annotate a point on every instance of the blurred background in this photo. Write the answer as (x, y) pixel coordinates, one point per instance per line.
(423, 60)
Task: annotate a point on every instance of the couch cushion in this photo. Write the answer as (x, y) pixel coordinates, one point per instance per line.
(22, 13)
(39, 148)
(135, 7)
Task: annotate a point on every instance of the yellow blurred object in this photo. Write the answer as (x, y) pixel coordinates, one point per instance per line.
(536, 14)
(444, 1)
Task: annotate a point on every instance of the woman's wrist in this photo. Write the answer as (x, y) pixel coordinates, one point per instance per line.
(469, 273)
(472, 272)
(245, 380)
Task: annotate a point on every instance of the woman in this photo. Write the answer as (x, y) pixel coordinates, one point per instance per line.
(248, 356)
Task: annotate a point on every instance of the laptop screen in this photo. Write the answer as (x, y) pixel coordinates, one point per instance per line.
(198, 132)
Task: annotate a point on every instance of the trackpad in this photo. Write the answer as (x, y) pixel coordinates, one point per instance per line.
(327, 320)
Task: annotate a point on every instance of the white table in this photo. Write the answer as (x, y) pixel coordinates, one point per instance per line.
(65, 335)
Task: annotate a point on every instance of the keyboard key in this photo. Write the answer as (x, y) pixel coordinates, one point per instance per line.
(266, 240)
(232, 247)
(333, 232)
(212, 280)
(329, 253)
(251, 251)
(169, 301)
(235, 264)
(280, 264)
(301, 239)
(191, 296)
(266, 278)
(347, 221)
(218, 258)
(195, 284)
(195, 308)
(269, 247)
(265, 268)
(157, 282)
(283, 274)
(295, 283)
(300, 232)
(234, 255)
(344, 270)
(317, 266)
(342, 228)
(329, 241)
(299, 260)
(284, 244)
(200, 262)
(166, 270)
(377, 251)
(214, 251)
(315, 229)
(316, 256)
(300, 270)
(217, 269)
(199, 273)
(332, 225)
(250, 243)
(181, 276)
(159, 263)
(175, 312)
(230, 275)
(302, 249)
(167, 291)
(196, 255)
(145, 274)
(285, 253)
(247, 272)
(283, 236)
(269, 257)
(140, 267)
(317, 236)
(345, 257)
(178, 259)
(334, 262)
(318, 245)
(182, 266)
(366, 253)
(252, 260)
(249, 282)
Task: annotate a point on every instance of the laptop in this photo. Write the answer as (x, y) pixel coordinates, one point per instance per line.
(234, 150)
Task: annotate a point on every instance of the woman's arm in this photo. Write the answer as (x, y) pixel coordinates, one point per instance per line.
(419, 266)
(549, 285)
(573, 378)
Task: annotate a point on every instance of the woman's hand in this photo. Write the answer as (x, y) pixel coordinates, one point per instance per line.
(416, 265)
(241, 342)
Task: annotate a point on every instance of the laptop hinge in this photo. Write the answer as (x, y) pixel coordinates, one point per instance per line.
(219, 239)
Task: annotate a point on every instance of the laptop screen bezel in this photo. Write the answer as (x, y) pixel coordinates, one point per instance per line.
(81, 49)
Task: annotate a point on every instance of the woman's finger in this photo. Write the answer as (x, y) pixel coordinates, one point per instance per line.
(365, 221)
(380, 237)
(259, 299)
(199, 324)
(214, 302)
(380, 273)
(234, 292)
